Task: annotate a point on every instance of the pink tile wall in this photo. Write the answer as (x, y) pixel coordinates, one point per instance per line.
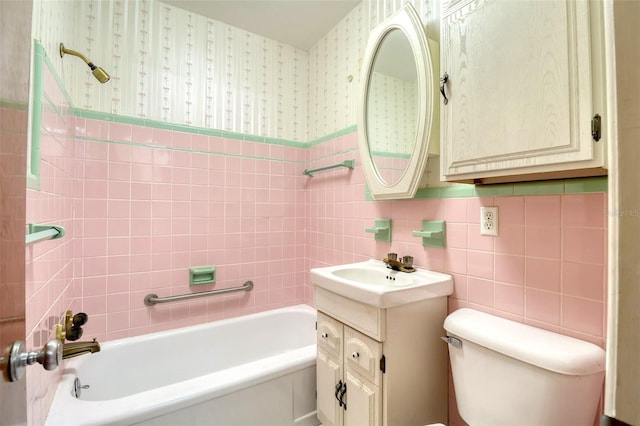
(547, 267)
(49, 264)
(149, 203)
(146, 214)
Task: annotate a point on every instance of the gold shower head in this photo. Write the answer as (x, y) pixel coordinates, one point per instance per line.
(101, 75)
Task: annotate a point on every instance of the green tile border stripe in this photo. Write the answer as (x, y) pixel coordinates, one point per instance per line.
(156, 124)
(194, 151)
(547, 187)
(333, 135)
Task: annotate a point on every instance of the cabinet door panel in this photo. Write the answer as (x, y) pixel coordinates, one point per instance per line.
(362, 354)
(363, 401)
(520, 86)
(328, 374)
(329, 335)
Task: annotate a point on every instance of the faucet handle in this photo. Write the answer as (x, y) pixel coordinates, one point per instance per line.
(80, 319)
(49, 356)
(74, 333)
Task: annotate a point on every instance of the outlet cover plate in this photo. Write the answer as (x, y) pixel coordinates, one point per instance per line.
(489, 221)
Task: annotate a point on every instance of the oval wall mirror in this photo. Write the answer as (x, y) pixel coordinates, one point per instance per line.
(398, 123)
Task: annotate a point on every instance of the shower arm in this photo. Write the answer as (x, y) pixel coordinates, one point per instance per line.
(64, 50)
(101, 75)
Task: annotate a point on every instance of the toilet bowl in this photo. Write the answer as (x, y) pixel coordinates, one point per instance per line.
(508, 373)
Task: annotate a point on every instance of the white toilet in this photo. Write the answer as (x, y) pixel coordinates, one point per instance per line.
(507, 373)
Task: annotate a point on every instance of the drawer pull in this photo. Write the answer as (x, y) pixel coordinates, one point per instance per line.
(355, 355)
(324, 335)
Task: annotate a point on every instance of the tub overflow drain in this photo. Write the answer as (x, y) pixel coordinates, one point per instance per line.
(77, 387)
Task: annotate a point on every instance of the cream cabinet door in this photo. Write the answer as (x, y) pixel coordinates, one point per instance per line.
(363, 401)
(524, 81)
(328, 375)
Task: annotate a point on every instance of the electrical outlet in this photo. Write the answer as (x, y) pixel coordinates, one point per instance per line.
(489, 221)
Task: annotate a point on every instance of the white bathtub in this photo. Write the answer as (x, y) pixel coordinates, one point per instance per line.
(257, 369)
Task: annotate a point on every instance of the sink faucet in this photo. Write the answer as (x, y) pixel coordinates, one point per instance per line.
(392, 263)
(70, 350)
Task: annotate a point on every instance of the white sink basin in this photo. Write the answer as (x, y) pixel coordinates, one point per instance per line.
(371, 282)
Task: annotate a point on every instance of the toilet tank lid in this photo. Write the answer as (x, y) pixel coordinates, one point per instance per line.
(545, 349)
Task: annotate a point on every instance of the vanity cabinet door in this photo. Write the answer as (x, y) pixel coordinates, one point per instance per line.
(362, 354)
(330, 335)
(525, 79)
(328, 375)
(363, 401)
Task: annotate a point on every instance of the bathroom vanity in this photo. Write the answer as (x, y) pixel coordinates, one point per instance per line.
(381, 362)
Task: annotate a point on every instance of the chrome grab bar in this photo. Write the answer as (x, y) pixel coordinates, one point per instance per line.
(152, 299)
(346, 163)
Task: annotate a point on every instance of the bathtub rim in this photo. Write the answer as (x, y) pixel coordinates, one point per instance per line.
(159, 401)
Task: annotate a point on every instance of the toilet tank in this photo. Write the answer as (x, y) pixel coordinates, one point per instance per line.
(508, 373)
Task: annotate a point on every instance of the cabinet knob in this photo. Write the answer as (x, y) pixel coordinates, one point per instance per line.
(324, 335)
(355, 355)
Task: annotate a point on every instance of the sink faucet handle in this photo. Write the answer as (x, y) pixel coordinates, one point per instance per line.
(392, 256)
(407, 261)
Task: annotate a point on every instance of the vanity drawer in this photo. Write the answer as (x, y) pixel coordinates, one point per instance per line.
(365, 318)
(362, 354)
(329, 335)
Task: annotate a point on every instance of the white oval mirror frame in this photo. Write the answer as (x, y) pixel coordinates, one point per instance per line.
(427, 122)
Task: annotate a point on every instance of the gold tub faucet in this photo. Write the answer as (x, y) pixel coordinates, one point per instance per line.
(72, 349)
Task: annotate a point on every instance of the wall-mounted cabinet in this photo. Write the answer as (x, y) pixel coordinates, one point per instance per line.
(524, 81)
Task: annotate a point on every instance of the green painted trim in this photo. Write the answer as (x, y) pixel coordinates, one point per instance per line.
(496, 190)
(585, 185)
(333, 135)
(173, 148)
(123, 119)
(254, 138)
(162, 125)
(547, 187)
(210, 132)
(96, 115)
(33, 174)
(457, 191)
